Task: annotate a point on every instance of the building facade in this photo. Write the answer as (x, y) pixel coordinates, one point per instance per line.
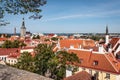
(23, 29)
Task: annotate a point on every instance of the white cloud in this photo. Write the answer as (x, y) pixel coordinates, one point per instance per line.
(88, 15)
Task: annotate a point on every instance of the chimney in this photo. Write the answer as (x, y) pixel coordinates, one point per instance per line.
(71, 46)
(101, 49)
(69, 71)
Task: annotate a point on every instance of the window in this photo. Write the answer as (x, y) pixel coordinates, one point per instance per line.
(5, 58)
(83, 69)
(96, 75)
(81, 60)
(107, 76)
(90, 72)
(95, 62)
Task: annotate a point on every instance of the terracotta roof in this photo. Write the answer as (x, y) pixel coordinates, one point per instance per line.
(3, 39)
(114, 41)
(76, 43)
(28, 48)
(83, 75)
(55, 49)
(93, 48)
(32, 54)
(5, 51)
(118, 52)
(104, 62)
(14, 55)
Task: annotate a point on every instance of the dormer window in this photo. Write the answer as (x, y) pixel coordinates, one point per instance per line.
(81, 60)
(72, 46)
(95, 63)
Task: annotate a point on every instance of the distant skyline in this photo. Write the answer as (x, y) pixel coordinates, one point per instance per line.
(70, 16)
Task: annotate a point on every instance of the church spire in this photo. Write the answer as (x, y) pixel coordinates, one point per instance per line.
(23, 25)
(23, 29)
(107, 30)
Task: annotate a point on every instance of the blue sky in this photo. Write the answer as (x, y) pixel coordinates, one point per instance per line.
(71, 16)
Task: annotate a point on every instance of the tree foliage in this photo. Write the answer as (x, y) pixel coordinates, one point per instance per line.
(20, 6)
(44, 54)
(16, 7)
(14, 44)
(46, 62)
(53, 64)
(26, 62)
(58, 64)
(54, 38)
(36, 37)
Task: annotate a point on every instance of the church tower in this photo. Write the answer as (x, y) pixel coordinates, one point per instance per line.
(23, 29)
(107, 36)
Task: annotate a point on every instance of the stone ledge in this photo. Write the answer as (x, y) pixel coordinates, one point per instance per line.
(9, 73)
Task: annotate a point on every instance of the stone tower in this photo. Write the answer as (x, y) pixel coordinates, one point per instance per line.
(107, 36)
(23, 29)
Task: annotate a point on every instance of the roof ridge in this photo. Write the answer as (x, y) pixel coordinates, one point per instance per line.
(111, 63)
(90, 56)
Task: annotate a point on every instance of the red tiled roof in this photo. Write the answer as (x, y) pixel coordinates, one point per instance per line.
(76, 43)
(28, 48)
(93, 48)
(118, 52)
(5, 51)
(55, 49)
(114, 41)
(83, 75)
(14, 55)
(3, 39)
(106, 62)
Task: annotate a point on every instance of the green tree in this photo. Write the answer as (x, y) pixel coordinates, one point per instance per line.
(43, 54)
(14, 44)
(36, 37)
(7, 44)
(57, 65)
(20, 6)
(26, 62)
(54, 38)
(16, 7)
(22, 44)
(96, 38)
(47, 63)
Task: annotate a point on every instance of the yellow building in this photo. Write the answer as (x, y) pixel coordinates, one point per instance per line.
(100, 66)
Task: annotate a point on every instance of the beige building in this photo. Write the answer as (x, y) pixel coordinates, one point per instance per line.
(23, 29)
(102, 66)
(99, 60)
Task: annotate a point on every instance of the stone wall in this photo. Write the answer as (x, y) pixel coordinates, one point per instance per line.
(9, 73)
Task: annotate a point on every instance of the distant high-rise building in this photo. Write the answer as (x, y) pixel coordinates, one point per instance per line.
(23, 29)
(15, 31)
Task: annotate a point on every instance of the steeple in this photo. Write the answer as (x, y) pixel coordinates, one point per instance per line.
(23, 29)
(23, 25)
(107, 30)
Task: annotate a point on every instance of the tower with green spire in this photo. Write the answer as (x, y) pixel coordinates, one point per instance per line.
(23, 29)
